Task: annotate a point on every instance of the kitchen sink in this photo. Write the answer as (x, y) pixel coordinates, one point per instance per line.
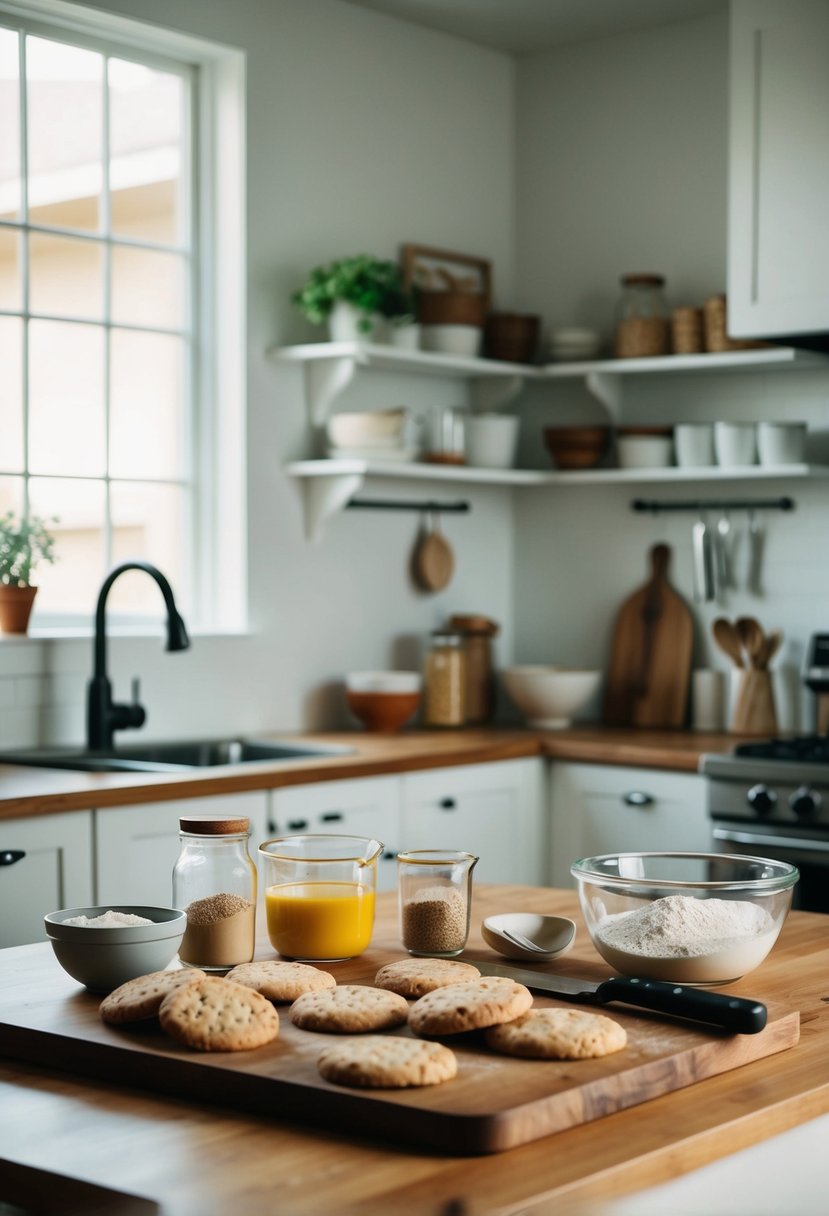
(173, 757)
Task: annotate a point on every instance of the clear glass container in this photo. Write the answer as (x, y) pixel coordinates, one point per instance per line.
(434, 889)
(319, 895)
(444, 700)
(214, 882)
(642, 317)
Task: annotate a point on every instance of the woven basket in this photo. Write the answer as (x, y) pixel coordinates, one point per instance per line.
(716, 335)
(687, 331)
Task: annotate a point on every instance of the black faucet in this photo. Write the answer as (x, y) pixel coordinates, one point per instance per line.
(104, 716)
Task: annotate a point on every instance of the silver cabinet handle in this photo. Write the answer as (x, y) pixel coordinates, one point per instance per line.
(9, 856)
(638, 798)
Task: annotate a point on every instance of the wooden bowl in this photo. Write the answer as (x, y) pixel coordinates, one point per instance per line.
(383, 701)
(577, 447)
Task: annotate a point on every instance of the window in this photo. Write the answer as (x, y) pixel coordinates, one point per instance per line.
(107, 263)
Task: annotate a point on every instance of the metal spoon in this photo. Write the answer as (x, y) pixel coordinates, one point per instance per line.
(518, 939)
(728, 640)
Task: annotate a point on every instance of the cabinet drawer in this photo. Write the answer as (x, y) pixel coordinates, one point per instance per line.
(45, 864)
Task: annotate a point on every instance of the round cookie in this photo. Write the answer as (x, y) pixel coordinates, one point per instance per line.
(139, 999)
(414, 977)
(281, 981)
(349, 1009)
(217, 1015)
(385, 1062)
(470, 1006)
(558, 1034)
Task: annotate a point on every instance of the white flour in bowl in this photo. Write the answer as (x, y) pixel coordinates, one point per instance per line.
(108, 920)
(686, 940)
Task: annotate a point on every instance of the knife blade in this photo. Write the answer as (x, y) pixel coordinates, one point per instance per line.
(737, 1014)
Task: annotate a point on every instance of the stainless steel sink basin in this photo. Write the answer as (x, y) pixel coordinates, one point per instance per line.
(173, 757)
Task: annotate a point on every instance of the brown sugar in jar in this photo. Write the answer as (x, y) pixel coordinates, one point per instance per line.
(214, 882)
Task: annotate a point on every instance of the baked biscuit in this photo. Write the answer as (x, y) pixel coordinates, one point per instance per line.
(217, 1015)
(349, 1009)
(469, 1006)
(558, 1034)
(140, 998)
(385, 1062)
(281, 981)
(414, 977)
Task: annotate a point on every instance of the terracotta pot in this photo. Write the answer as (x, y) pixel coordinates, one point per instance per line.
(16, 608)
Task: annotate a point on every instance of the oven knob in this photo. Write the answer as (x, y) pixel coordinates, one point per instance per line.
(804, 802)
(761, 799)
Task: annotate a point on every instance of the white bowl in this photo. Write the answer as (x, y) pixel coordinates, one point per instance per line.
(645, 451)
(551, 697)
(104, 957)
(368, 429)
(553, 934)
(463, 340)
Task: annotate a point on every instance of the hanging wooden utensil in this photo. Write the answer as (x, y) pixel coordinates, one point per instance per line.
(433, 562)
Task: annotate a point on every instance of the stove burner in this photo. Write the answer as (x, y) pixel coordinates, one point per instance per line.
(811, 749)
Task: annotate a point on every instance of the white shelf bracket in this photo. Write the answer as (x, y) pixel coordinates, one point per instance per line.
(491, 392)
(607, 389)
(325, 379)
(325, 496)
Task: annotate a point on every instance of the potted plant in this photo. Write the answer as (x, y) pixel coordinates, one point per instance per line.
(24, 543)
(352, 294)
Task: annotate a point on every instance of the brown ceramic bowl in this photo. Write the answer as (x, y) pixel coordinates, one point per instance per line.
(383, 701)
(577, 447)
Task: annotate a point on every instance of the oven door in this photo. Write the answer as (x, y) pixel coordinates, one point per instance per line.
(808, 853)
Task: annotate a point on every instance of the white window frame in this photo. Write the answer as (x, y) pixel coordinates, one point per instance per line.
(218, 433)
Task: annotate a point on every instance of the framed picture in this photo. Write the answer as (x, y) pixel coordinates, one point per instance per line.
(440, 270)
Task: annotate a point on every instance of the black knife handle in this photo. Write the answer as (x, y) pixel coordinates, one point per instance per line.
(715, 1008)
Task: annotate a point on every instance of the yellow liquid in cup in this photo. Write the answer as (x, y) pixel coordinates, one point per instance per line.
(320, 920)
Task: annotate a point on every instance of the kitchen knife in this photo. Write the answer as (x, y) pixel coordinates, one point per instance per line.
(736, 1014)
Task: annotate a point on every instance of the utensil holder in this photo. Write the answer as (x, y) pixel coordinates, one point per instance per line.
(754, 711)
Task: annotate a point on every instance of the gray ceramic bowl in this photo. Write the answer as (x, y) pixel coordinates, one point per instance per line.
(104, 957)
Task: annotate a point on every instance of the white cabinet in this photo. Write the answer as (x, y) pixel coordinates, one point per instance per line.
(598, 808)
(136, 847)
(778, 237)
(45, 864)
(492, 810)
(368, 806)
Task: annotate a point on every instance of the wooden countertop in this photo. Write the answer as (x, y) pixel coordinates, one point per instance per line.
(27, 791)
(183, 1158)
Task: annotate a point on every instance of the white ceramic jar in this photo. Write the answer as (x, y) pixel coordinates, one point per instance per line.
(735, 443)
(491, 440)
(781, 442)
(694, 445)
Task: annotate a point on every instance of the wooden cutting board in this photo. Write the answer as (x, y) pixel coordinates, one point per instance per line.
(650, 661)
(494, 1103)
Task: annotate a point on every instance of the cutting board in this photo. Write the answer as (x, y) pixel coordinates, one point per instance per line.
(650, 661)
(494, 1103)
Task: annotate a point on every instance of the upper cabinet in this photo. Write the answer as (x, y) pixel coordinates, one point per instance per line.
(778, 235)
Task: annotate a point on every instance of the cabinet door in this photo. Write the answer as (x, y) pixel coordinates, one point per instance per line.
(45, 864)
(778, 237)
(491, 810)
(367, 806)
(137, 846)
(607, 809)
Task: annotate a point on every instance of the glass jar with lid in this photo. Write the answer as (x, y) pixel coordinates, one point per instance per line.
(642, 318)
(214, 882)
(444, 700)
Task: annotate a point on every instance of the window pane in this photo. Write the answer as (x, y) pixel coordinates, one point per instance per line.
(147, 410)
(11, 395)
(72, 583)
(65, 130)
(66, 399)
(11, 495)
(66, 276)
(150, 522)
(11, 287)
(10, 126)
(145, 134)
(148, 288)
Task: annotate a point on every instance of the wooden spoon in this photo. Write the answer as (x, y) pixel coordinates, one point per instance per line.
(728, 639)
(773, 642)
(434, 562)
(753, 638)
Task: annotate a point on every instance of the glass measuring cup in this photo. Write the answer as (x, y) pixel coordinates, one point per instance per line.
(319, 895)
(435, 898)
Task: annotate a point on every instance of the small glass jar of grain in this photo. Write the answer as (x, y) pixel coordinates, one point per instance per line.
(435, 899)
(444, 693)
(214, 882)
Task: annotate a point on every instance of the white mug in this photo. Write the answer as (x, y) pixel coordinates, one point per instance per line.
(694, 444)
(491, 440)
(735, 443)
(781, 442)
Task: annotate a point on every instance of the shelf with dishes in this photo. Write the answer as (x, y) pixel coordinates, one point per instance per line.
(331, 366)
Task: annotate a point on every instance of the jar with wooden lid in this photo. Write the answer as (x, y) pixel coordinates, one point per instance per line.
(477, 632)
(642, 320)
(444, 702)
(214, 882)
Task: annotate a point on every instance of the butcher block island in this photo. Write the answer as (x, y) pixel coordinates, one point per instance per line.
(124, 1111)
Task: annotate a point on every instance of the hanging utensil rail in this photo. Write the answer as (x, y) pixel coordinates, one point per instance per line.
(406, 504)
(714, 504)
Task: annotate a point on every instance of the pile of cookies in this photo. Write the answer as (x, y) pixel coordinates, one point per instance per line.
(449, 997)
